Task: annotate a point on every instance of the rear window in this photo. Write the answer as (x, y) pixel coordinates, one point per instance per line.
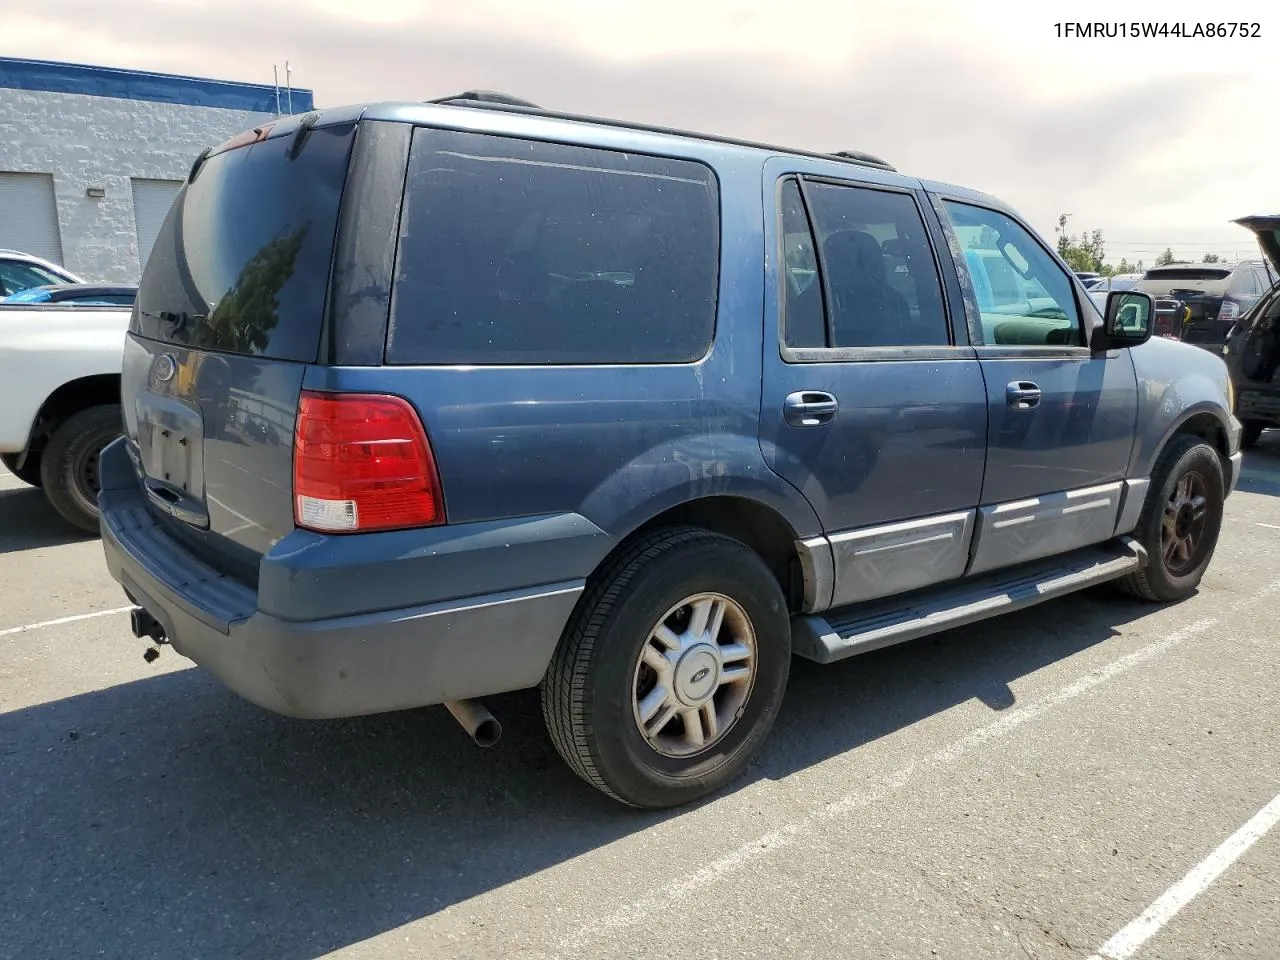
(1186, 273)
(515, 251)
(241, 264)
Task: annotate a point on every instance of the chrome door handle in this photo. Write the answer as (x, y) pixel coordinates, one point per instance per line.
(809, 408)
(1022, 395)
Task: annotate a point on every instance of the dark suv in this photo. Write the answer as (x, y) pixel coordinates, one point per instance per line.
(1213, 296)
(429, 402)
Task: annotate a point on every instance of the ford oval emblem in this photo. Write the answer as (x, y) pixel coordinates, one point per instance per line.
(700, 675)
(166, 367)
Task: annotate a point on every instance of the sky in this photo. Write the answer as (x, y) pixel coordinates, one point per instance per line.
(1156, 142)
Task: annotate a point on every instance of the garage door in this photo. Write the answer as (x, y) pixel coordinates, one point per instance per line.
(29, 216)
(151, 202)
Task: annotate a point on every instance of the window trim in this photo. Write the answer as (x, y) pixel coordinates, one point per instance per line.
(422, 129)
(972, 311)
(829, 354)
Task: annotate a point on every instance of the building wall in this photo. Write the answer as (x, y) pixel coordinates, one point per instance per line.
(99, 141)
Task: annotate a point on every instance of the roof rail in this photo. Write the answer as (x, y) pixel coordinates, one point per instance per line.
(485, 96)
(492, 100)
(861, 157)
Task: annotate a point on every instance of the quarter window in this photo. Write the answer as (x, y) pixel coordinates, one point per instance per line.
(1024, 297)
(516, 251)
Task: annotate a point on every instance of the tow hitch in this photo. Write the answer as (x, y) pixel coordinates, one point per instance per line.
(147, 627)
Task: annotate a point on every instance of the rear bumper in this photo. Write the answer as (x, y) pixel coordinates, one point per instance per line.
(336, 666)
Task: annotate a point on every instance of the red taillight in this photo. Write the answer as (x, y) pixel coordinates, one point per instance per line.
(1230, 310)
(362, 462)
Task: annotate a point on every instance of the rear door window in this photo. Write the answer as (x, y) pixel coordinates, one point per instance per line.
(242, 262)
(881, 281)
(515, 251)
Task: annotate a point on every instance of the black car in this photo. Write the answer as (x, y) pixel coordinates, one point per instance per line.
(1214, 295)
(80, 294)
(1252, 350)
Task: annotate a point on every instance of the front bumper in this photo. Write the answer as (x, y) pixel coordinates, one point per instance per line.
(337, 666)
(1235, 462)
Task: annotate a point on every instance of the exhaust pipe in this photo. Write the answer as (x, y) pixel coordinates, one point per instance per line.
(475, 718)
(145, 626)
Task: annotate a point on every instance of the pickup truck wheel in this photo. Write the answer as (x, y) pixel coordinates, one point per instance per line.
(1251, 433)
(30, 472)
(672, 669)
(1180, 521)
(69, 466)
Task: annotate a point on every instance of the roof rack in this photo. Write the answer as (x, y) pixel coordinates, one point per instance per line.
(485, 96)
(493, 100)
(861, 157)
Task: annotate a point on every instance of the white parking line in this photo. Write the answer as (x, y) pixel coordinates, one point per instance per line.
(1132, 938)
(678, 891)
(10, 631)
(1269, 526)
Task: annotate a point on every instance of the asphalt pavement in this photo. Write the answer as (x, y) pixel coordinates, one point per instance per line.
(1092, 774)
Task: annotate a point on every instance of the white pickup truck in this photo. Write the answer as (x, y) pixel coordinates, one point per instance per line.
(60, 398)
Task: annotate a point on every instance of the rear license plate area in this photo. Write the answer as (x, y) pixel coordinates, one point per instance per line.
(171, 445)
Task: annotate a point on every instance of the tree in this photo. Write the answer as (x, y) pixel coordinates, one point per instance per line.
(1165, 258)
(1093, 246)
(1083, 255)
(1211, 258)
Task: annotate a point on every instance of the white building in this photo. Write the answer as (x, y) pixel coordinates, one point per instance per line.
(91, 157)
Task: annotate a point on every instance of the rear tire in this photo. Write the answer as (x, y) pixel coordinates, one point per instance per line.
(636, 651)
(1251, 433)
(1180, 521)
(69, 467)
(30, 472)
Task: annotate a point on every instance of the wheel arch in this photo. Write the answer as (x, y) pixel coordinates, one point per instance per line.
(750, 520)
(70, 398)
(1203, 420)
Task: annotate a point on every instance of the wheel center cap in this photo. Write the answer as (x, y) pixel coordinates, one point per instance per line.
(1182, 525)
(697, 674)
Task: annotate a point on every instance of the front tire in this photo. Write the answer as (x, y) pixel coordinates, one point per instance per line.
(1180, 521)
(30, 472)
(672, 669)
(69, 467)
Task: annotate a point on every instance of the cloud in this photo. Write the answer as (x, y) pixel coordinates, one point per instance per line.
(1133, 156)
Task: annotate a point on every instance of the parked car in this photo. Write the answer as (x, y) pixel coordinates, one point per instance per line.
(60, 397)
(1119, 281)
(1252, 350)
(1215, 295)
(428, 402)
(21, 271)
(83, 294)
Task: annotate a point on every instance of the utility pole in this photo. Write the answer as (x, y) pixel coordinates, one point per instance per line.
(288, 85)
(275, 71)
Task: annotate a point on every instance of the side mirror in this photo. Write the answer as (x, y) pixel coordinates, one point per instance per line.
(1127, 321)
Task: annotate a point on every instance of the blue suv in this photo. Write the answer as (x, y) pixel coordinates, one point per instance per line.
(429, 402)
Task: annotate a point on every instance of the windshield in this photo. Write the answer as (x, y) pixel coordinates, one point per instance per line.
(34, 295)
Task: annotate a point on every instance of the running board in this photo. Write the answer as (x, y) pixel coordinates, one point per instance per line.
(869, 626)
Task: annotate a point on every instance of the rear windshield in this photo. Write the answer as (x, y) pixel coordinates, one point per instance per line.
(1186, 273)
(514, 251)
(241, 264)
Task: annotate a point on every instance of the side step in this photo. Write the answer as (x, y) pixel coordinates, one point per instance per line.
(881, 623)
